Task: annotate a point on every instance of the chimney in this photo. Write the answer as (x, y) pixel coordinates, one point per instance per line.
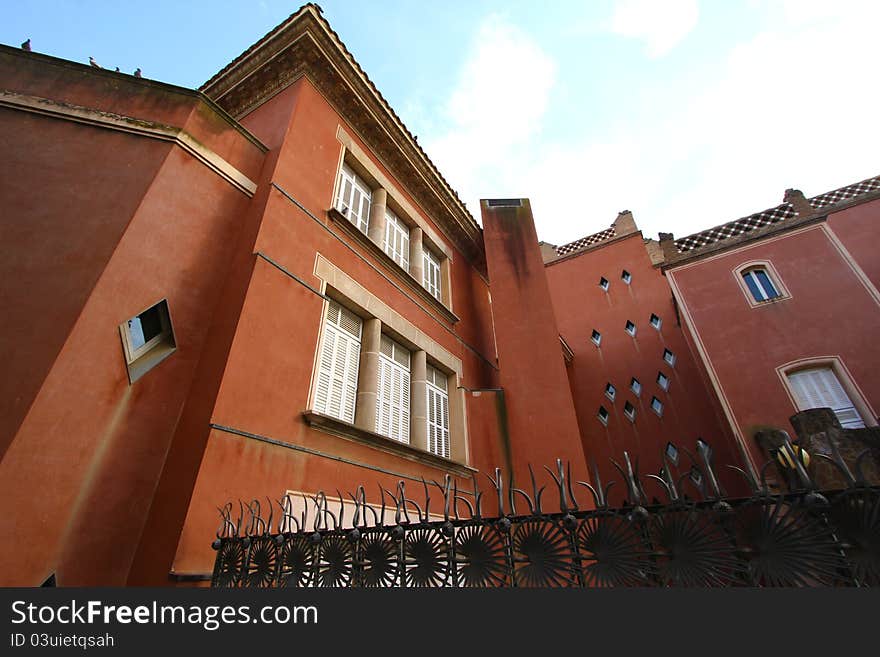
(801, 205)
(667, 245)
(624, 224)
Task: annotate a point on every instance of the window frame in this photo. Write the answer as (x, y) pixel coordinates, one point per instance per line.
(635, 386)
(610, 391)
(661, 377)
(602, 415)
(844, 377)
(626, 276)
(347, 173)
(142, 359)
(655, 401)
(773, 276)
(629, 410)
(604, 283)
(431, 261)
(630, 328)
(656, 324)
(395, 228)
(671, 360)
(339, 333)
(596, 338)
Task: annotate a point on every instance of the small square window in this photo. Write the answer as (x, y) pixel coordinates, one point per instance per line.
(626, 276)
(635, 386)
(610, 391)
(672, 453)
(656, 321)
(669, 357)
(604, 284)
(656, 406)
(662, 380)
(696, 477)
(602, 415)
(630, 328)
(630, 411)
(596, 337)
(147, 339)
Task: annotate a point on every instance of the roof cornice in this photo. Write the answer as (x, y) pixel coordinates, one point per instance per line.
(305, 45)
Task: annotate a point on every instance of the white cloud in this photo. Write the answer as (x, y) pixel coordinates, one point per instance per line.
(494, 114)
(660, 24)
(793, 106)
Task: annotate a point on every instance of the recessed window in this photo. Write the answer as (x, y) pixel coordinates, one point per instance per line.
(596, 337)
(431, 274)
(337, 376)
(669, 357)
(603, 283)
(630, 328)
(672, 453)
(630, 411)
(147, 339)
(696, 477)
(353, 199)
(656, 406)
(655, 321)
(819, 387)
(635, 386)
(392, 397)
(760, 284)
(626, 277)
(602, 415)
(610, 391)
(662, 380)
(438, 412)
(396, 242)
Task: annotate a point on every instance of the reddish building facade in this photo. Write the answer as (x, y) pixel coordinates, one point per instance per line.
(265, 287)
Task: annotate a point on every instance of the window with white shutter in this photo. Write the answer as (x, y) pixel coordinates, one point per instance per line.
(432, 274)
(396, 239)
(353, 199)
(819, 388)
(336, 386)
(438, 413)
(392, 400)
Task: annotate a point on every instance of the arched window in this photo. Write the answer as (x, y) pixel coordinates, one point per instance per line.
(824, 382)
(760, 282)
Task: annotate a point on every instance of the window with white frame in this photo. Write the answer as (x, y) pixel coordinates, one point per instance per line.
(602, 415)
(392, 400)
(760, 284)
(635, 386)
(669, 357)
(626, 277)
(662, 380)
(353, 199)
(819, 387)
(431, 269)
(396, 242)
(630, 328)
(336, 389)
(655, 321)
(630, 411)
(147, 339)
(603, 283)
(596, 337)
(438, 412)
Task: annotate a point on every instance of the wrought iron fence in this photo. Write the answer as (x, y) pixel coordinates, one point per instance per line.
(804, 537)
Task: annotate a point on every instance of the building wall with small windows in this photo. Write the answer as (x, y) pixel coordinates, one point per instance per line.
(638, 387)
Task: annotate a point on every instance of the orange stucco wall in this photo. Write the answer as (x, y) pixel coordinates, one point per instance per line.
(829, 313)
(101, 225)
(266, 382)
(581, 305)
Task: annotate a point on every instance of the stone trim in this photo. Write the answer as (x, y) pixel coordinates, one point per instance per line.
(342, 429)
(132, 125)
(373, 306)
(365, 161)
(352, 231)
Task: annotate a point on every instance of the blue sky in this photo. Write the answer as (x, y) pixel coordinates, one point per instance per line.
(687, 113)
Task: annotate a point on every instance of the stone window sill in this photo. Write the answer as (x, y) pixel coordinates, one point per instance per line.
(401, 274)
(342, 429)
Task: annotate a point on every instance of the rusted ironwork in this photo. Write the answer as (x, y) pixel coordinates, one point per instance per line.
(697, 537)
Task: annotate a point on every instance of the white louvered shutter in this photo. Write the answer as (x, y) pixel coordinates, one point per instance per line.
(336, 389)
(354, 198)
(819, 388)
(396, 239)
(392, 401)
(432, 274)
(438, 413)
